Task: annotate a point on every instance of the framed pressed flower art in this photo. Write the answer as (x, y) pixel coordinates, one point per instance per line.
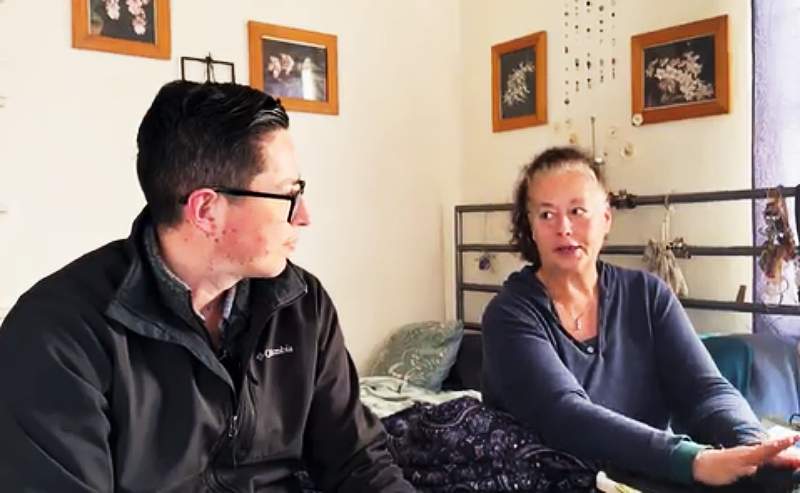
(519, 82)
(680, 72)
(129, 27)
(295, 65)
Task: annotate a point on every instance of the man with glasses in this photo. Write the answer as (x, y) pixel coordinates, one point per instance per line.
(193, 356)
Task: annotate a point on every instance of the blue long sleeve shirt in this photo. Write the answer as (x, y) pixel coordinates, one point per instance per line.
(612, 399)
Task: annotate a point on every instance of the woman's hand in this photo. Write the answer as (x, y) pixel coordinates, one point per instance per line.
(789, 459)
(721, 467)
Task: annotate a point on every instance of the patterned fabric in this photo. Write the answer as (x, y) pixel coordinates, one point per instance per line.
(462, 445)
(420, 353)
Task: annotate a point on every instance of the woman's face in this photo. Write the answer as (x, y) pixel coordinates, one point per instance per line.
(569, 216)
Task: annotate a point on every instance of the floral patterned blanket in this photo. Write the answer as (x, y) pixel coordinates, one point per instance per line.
(460, 445)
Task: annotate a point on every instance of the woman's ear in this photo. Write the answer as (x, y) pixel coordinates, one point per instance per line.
(609, 217)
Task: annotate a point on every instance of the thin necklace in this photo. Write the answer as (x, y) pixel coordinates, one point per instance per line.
(577, 319)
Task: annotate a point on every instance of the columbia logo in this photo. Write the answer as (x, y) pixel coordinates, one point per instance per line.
(272, 352)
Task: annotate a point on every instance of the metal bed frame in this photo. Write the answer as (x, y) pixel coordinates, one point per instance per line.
(624, 200)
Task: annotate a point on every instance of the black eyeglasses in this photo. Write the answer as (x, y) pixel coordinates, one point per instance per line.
(293, 197)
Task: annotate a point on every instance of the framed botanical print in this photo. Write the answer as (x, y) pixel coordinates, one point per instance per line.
(295, 65)
(131, 27)
(680, 72)
(519, 82)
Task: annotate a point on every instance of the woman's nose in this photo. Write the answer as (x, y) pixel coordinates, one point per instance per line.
(564, 226)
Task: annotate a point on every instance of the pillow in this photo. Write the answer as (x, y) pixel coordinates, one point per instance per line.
(420, 353)
(734, 358)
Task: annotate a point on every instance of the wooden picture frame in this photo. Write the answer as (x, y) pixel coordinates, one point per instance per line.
(680, 72)
(115, 27)
(519, 82)
(295, 65)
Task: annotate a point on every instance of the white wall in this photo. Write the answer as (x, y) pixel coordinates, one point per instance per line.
(413, 138)
(381, 174)
(710, 153)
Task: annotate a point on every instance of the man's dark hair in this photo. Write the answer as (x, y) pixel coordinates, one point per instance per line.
(551, 159)
(197, 135)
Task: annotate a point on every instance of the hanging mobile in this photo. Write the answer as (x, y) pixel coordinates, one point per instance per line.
(602, 77)
(589, 72)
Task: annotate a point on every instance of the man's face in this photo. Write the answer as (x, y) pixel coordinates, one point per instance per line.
(255, 237)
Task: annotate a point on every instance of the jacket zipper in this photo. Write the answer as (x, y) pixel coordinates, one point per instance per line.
(233, 421)
(233, 430)
(233, 426)
(242, 412)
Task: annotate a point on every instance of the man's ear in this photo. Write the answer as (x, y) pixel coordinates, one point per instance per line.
(203, 210)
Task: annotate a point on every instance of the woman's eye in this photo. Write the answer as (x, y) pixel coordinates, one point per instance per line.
(578, 211)
(545, 215)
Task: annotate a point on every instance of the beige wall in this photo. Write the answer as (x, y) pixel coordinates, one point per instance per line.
(380, 175)
(711, 153)
(412, 140)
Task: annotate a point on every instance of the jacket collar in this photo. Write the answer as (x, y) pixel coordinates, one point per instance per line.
(136, 306)
(177, 295)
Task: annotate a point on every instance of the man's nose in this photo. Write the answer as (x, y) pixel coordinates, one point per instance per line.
(302, 217)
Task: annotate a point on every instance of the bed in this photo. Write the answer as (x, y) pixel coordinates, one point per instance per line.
(446, 440)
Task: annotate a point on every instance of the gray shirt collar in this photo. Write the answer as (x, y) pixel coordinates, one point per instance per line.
(177, 295)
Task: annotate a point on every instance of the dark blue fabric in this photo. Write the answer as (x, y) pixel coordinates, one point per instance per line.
(462, 445)
(647, 370)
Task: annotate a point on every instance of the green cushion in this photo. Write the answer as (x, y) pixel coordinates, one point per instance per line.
(734, 358)
(421, 353)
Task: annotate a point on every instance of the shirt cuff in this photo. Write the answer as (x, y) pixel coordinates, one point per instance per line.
(682, 461)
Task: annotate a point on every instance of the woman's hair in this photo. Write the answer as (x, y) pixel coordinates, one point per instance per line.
(553, 158)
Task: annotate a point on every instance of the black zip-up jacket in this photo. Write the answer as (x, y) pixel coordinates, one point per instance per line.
(103, 388)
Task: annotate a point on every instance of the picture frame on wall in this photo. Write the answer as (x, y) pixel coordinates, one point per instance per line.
(133, 27)
(519, 82)
(295, 65)
(680, 72)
